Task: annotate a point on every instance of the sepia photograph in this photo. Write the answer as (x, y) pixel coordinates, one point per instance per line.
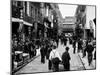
(52, 37)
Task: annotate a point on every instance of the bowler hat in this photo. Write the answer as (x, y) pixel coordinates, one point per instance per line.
(67, 48)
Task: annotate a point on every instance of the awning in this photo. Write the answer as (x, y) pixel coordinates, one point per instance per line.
(20, 20)
(17, 20)
(26, 23)
(68, 23)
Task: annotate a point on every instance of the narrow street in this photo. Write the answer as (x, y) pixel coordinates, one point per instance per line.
(35, 66)
(41, 25)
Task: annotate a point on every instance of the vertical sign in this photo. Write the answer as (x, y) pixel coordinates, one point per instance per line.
(28, 9)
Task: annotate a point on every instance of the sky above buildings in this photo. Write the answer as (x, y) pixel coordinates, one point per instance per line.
(67, 10)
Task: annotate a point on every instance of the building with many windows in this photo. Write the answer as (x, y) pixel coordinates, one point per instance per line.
(69, 24)
(80, 21)
(84, 18)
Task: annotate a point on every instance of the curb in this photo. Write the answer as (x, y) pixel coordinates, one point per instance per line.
(82, 62)
(86, 67)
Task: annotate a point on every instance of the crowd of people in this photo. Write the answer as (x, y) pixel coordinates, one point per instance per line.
(86, 47)
(27, 46)
(19, 48)
(48, 50)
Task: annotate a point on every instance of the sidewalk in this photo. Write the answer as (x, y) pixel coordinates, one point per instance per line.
(35, 66)
(75, 62)
(85, 62)
(29, 60)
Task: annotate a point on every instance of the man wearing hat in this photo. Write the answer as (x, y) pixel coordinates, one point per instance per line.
(66, 59)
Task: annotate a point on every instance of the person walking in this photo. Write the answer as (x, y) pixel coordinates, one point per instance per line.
(29, 49)
(42, 52)
(80, 45)
(46, 50)
(65, 41)
(89, 50)
(55, 59)
(49, 61)
(66, 59)
(74, 46)
(84, 47)
(70, 41)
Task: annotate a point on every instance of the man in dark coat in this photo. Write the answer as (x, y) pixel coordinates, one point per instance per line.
(46, 50)
(42, 52)
(29, 49)
(89, 50)
(49, 61)
(66, 59)
(74, 46)
(65, 41)
(80, 45)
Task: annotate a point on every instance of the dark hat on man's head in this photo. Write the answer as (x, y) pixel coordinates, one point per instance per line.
(54, 47)
(67, 48)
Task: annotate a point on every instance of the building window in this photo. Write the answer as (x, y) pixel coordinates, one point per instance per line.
(35, 14)
(14, 3)
(26, 7)
(31, 12)
(19, 3)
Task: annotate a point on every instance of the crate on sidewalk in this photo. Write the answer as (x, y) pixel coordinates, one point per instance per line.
(18, 59)
(25, 57)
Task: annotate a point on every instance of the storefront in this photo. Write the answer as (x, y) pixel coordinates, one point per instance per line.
(16, 43)
(20, 31)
